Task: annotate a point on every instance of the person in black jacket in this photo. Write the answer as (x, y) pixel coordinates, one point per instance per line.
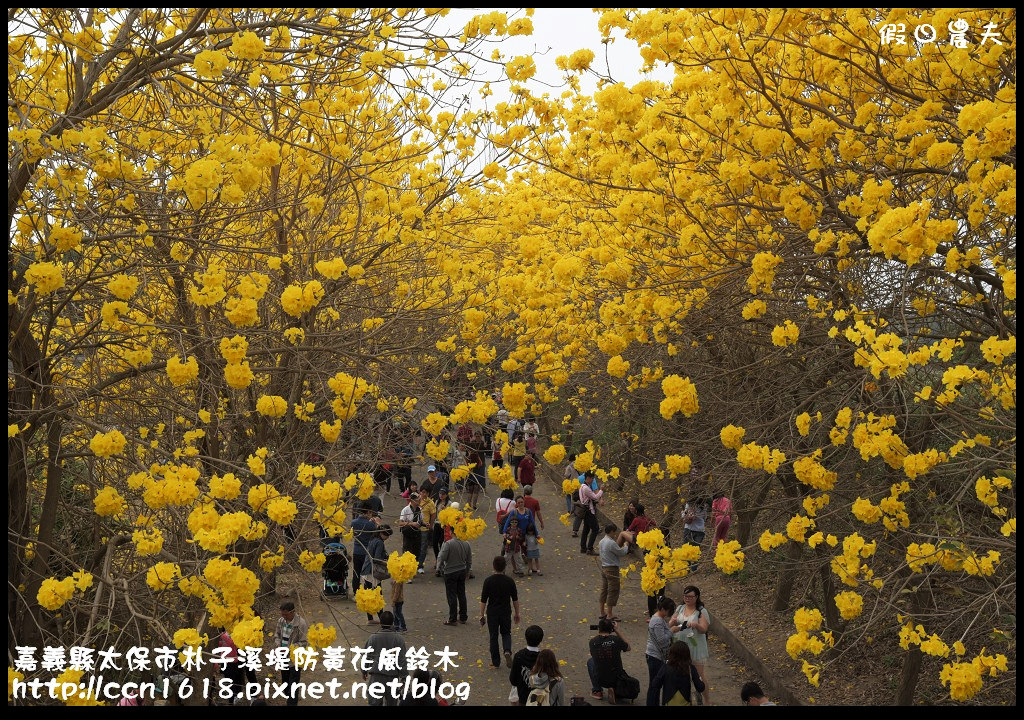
(676, 677)
(523, 661)
(498, 597)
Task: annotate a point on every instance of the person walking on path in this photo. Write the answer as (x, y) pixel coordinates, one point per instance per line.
(533, 540)
(605, 662)
(455, 562)
(590, 497)
(612, 549)
(518, 522)
(523, 662)
(721, 518)
(498, 597)
(547, 687)
(291, 631)
(533, 505)
(690, 625)
(505, 503)
(383, 662)
(671, 686)
(518, 440)
(659, 640)
(526, 471)
(364, 529)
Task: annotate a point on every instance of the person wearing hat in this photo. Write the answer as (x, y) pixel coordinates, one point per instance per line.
(433, 483)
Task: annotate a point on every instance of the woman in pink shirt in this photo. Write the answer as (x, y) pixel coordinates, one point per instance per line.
(721, 515)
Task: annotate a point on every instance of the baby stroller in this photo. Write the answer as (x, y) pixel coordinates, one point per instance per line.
(335, 570)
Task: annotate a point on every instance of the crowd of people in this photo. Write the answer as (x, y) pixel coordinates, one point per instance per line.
(676, 649)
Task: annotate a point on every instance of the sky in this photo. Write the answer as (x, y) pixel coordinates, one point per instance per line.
(561, 31)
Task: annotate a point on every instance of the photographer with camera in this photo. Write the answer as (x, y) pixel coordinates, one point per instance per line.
(611, 550)
(605, 663)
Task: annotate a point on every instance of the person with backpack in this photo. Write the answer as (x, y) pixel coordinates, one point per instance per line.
(502, 506)
(659, 640)
(547, 687)
(523, 662)
(605, 662)
(671, 686)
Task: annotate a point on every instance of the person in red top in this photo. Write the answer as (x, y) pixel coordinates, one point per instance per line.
(532, 503)
(641, 523)
(721, 514)
(526, 473)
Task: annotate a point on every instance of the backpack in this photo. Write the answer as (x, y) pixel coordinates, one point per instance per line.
(626, 687)
(540, 696)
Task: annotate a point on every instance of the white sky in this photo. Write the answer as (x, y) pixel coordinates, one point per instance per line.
(562, 31)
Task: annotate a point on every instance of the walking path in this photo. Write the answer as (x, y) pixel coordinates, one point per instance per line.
(563, 602)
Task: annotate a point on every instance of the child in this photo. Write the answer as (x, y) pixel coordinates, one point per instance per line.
(397, 601)
(533, 551)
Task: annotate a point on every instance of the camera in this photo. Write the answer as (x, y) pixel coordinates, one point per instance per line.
(593, 627)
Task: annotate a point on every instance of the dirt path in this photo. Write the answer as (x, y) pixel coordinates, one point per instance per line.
(563, 602)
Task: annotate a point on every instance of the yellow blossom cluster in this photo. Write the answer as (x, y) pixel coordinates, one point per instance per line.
(182, 373)
(811, 472)
(370, 602)
(299, 299)
(402, 568)
(320, 636)
(848, 565)
(680, 396)
(729, 557)
(555, 454)
(108, 502)
(732, 436)
(760, 457)
(107, 444)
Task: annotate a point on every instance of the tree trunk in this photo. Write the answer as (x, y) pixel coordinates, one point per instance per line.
(787, 578)
(920, 602)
